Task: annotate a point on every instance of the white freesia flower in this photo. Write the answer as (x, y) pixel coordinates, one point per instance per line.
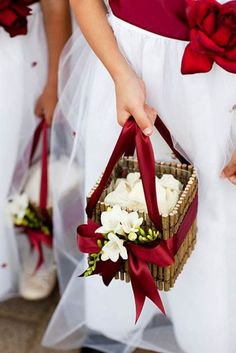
(18, 205)
(131, 222)
(114, 248)
(111, 221)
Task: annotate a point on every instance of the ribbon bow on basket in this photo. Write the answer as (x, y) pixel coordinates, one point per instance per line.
(34, 220)
(147, 249)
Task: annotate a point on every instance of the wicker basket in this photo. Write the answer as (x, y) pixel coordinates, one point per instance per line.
(164, 277)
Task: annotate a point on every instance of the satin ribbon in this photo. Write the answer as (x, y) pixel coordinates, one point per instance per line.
(41, 130)
(162, 253)
(156, 253)
(37, 237)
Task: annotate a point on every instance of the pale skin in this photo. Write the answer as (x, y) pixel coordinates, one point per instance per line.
(130, 89)
(57, 22)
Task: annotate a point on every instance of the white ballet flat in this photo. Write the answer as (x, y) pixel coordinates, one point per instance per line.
(37, 286)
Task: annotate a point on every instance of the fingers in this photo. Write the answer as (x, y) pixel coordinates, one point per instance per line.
(233, 179)
(48, 116)
(144, 117)
(44, 113)
(151, 113)
(141, 117)
(230, 170)
(122, 117)
(39, 110)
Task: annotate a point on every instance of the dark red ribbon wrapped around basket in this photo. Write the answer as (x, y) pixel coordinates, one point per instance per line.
(35, 236)
(160, 253)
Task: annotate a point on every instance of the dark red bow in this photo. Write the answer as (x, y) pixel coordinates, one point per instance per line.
(139, 256)
(212, 36)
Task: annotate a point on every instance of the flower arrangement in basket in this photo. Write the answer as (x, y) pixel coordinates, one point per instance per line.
(13, 16)
(31, 219)
(144, 247)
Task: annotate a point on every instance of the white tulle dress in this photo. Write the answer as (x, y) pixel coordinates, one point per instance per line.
(201, 309)
(23, 66)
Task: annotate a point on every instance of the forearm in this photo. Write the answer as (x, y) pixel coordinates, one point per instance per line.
(57, 23)
(92, 19)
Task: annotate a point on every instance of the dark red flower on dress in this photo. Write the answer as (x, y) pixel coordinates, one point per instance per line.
(13, 16)
(212, 36)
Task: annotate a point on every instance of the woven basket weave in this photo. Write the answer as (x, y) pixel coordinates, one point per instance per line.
(164, 277)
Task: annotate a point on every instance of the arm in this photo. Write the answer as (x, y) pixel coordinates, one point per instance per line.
(57, 23)
(130, 90)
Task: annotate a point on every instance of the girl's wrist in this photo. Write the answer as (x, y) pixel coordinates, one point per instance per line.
(122, 72)
(52, 83)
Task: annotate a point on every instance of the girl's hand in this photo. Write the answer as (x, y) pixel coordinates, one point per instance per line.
(230, 170)
(131, 101)
(46, 104)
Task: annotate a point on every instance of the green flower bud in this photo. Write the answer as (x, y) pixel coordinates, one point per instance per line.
(132, 236)
(141, 231)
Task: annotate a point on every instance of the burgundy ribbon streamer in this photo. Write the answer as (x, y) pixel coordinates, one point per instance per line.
(159, 253)
(41, 130)
(138, 257)
(36, 239)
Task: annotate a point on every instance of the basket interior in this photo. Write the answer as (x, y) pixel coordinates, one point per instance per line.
(182, 172)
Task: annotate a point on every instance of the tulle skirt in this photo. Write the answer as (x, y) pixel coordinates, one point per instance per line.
(197, 109)
(22, 70)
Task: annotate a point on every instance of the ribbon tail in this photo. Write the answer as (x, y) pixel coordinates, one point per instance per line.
(37, 246)
(143, 285)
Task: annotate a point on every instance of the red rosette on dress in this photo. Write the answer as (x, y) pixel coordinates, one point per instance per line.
(212, 36)
(13, 16)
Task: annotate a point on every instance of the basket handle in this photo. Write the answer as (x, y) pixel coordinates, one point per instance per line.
(41, 130)
(165, 133)
(132, 135)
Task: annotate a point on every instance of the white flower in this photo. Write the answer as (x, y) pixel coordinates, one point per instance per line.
(111, 221)
(132, 179)
(132, 236)
(131, 222)
(18, 205)
(119, 195)
(114, 248)
(168, 181)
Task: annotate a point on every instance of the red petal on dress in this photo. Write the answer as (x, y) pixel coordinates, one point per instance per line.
(227, 65)
(194, 62)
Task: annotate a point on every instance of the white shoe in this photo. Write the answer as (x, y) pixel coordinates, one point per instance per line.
(38, 285)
